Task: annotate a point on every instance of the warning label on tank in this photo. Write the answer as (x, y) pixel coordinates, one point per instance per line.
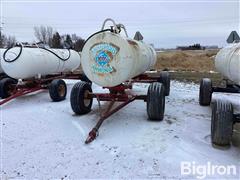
(103, 54)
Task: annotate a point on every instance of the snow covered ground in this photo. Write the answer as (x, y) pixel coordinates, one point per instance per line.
(43, 139)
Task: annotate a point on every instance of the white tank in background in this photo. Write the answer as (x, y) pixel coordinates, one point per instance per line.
(27, 62)
(227, 62)
(1, 59)
(109, 59)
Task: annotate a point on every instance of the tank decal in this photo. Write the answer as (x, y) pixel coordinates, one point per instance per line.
(102, 54)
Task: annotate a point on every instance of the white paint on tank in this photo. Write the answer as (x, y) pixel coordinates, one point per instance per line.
(109, 59)
(35, 62)
(227, 62)
(1, 59)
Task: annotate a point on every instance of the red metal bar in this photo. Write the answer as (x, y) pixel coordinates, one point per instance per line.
(119, 89)
(55, 76)
(94, 132)
(109, 96)
(20, 93)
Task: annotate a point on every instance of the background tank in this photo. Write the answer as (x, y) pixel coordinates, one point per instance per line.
(27, 62)
(109, 59)
(227, 62)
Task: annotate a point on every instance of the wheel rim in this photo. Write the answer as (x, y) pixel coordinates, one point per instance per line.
(86, 100)
(61, 90)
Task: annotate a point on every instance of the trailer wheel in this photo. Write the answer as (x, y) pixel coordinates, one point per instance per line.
(222, 123)
(165, 80)
(79, 102)
(205, 92)
(156, 101)
(58, 90)
(6, 87)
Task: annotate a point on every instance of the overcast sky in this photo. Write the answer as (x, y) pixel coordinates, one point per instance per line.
(163, 23)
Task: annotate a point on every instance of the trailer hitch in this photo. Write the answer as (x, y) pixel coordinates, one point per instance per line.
(91, 136)
(94, 132)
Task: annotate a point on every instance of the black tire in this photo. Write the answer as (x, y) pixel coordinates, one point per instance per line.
(6, 87)
(165, 80)
(79, 103)
(156, 101)
(222, 123)
(205, 92)
(85, 79)
(58, 90)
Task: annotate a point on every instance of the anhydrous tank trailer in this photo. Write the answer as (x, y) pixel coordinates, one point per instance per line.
(32, 68)
(115, 62)
(227, 62)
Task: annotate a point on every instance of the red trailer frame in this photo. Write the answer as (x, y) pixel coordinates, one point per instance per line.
(118, 94)
(32, 85)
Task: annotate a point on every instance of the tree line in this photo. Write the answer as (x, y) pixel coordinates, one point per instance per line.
(6, 41)
(46, 36)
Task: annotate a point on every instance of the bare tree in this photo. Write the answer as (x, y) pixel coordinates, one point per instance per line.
(44, 34)
(49, 35)
(6, 42)
(40, 33)
(3, 40)
(11, 41)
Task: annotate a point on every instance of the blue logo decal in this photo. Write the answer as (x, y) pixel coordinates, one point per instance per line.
(102, 58)
(103, 54)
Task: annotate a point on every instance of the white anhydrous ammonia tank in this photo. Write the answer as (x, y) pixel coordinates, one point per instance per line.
(34, 62)
(1, 59)
(109, 59)
(227, 62)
